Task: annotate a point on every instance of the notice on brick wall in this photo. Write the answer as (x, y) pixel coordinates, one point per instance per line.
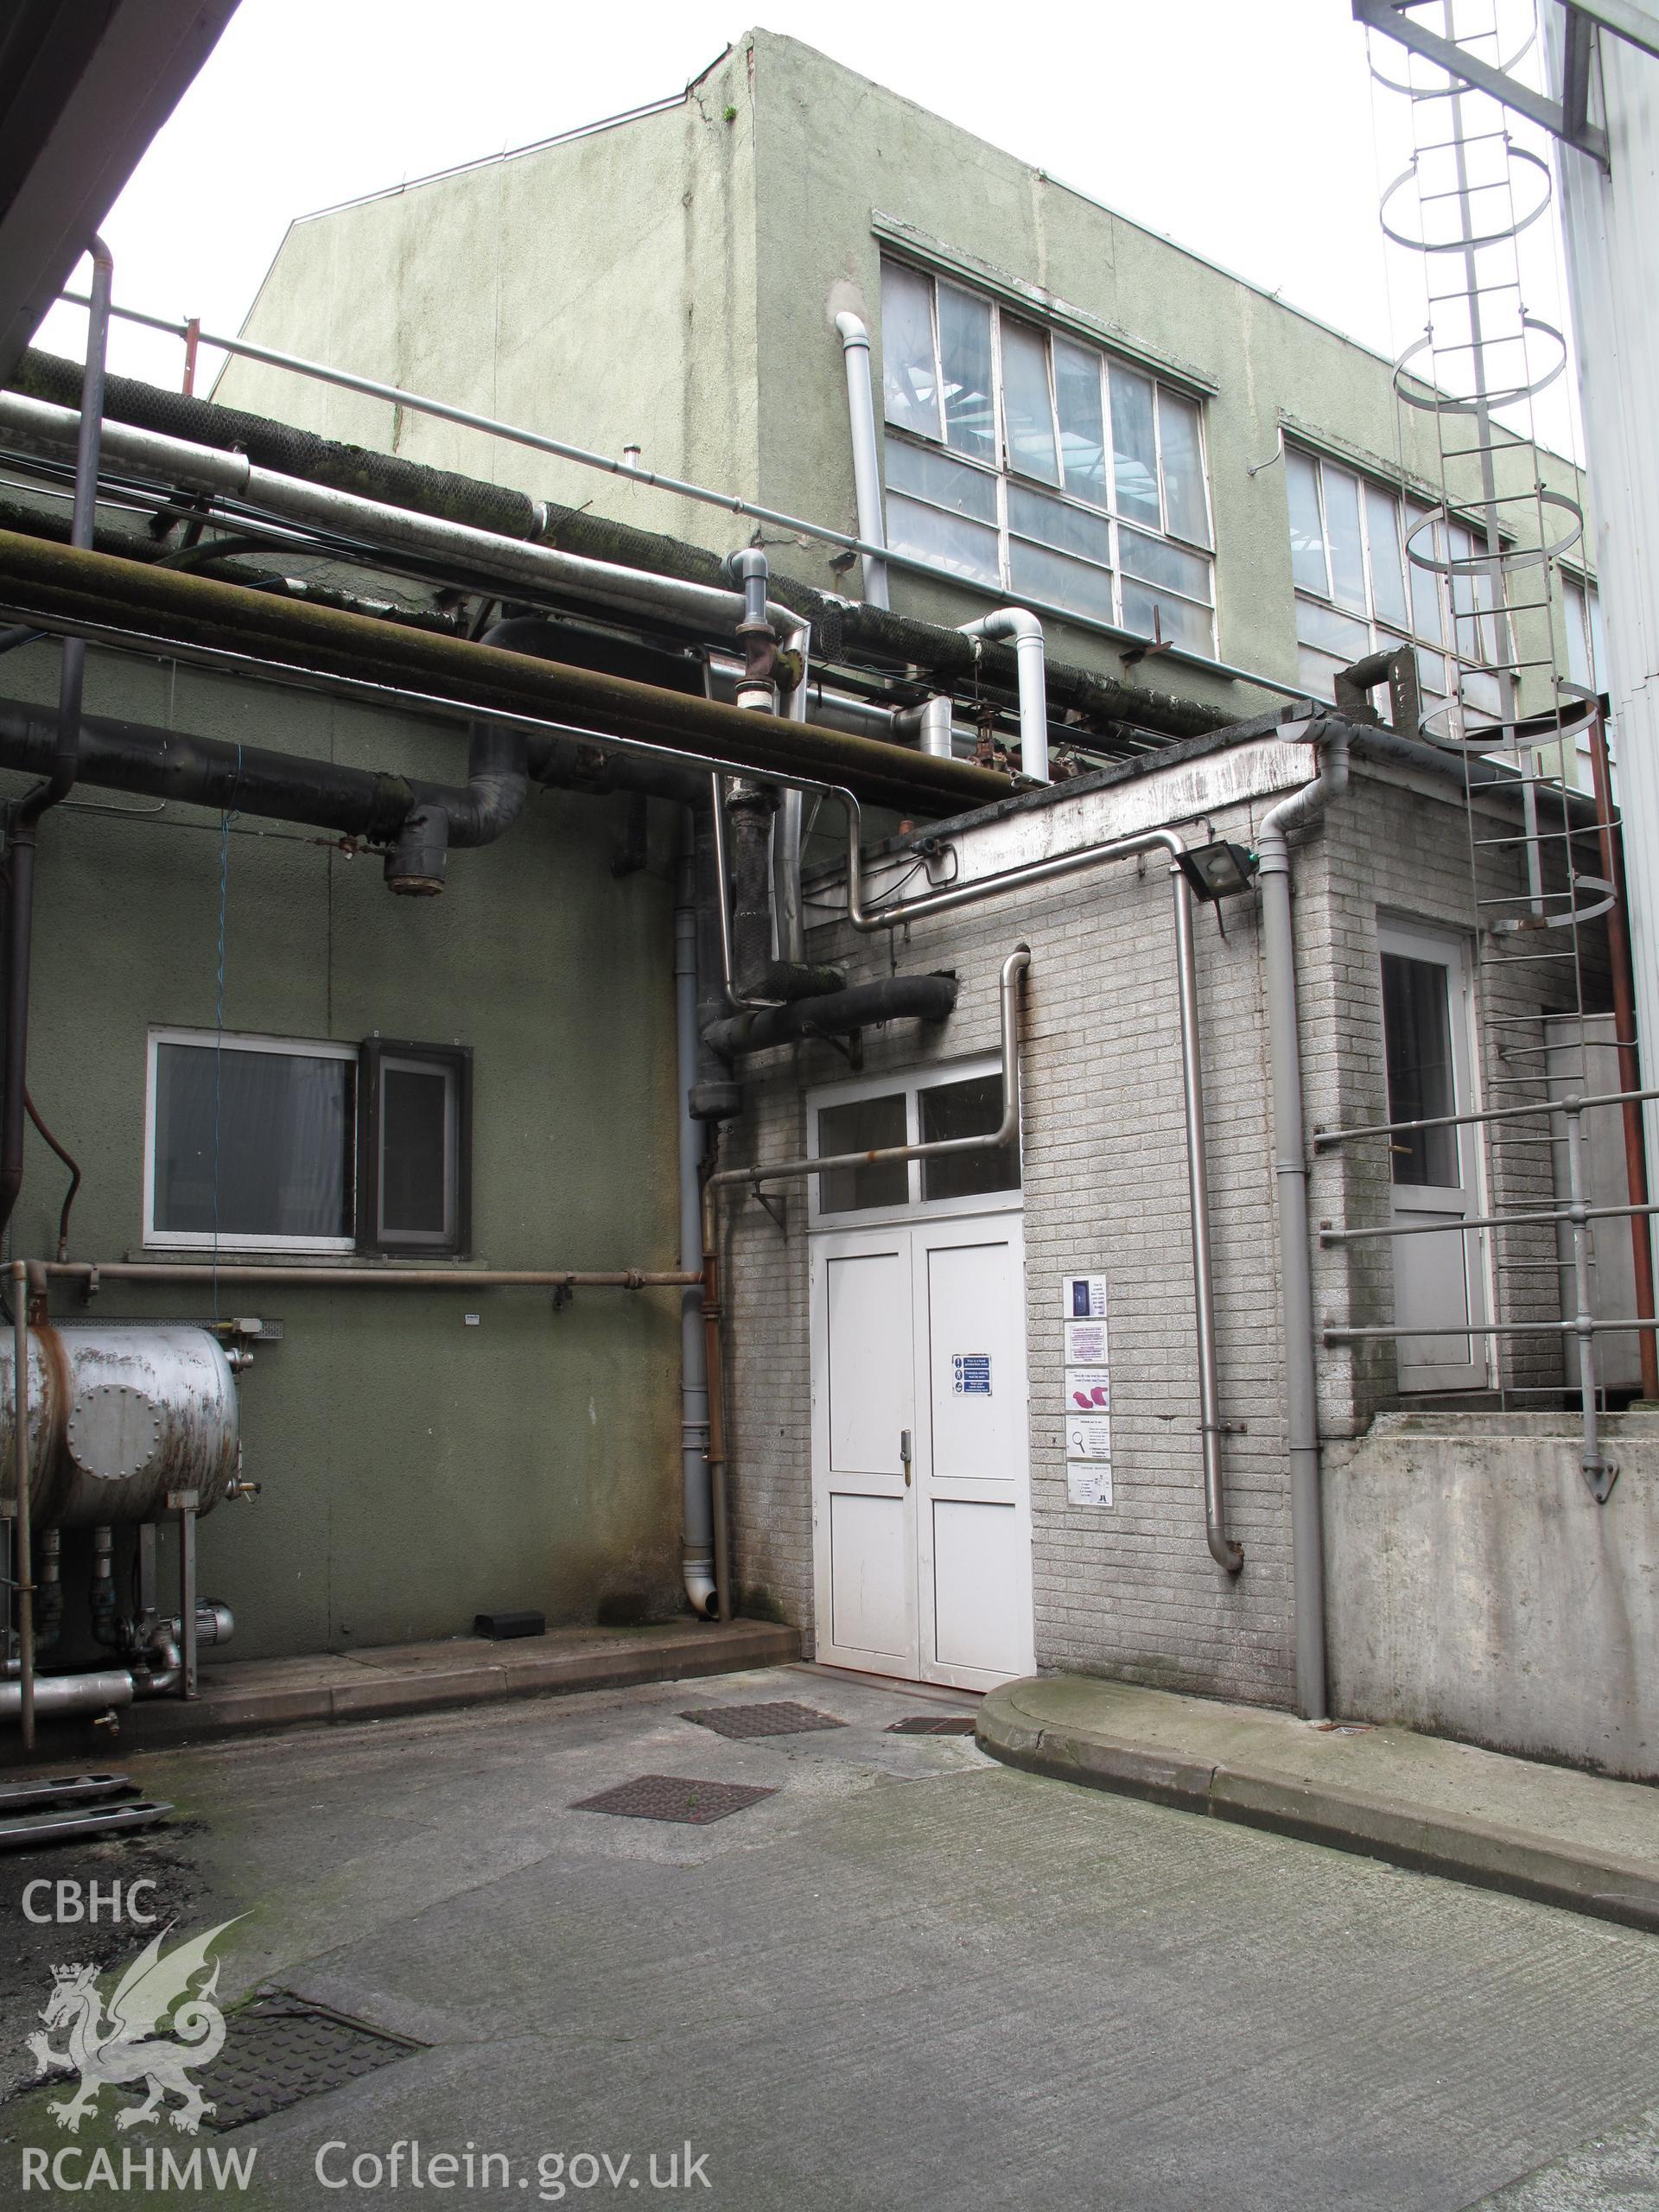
(1088, 1390)
(1089, 1482)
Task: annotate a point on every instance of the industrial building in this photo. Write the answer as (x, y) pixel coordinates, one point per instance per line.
(805, 897)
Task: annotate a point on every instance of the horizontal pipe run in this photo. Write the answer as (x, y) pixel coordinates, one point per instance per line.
(55, 1695)
(1491, 1329)
(1006, 1132)
(837, 1013)
(71, 589)
(795, 525)
(1573, 1104)
(373, 1278)
(534, 568)
(1485, 1221)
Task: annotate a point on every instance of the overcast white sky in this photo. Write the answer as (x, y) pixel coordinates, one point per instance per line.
(1247, 130)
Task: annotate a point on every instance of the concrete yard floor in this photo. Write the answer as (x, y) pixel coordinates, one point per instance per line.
(912, 1978)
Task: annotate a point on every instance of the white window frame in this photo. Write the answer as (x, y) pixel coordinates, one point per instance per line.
(238, 1040)
(1381, 635)
(911, 1081)
(1003, 474)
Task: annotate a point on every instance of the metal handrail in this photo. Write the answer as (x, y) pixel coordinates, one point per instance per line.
(1573, 1103)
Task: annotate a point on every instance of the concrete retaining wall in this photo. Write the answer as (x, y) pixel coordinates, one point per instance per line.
(1475, 1588)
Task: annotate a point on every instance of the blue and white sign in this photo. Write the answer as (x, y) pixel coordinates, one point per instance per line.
(971, 1374)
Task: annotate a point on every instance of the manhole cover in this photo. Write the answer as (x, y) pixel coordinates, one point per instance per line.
(932, 1724)
(781, 1718)
(282, 2049)
(673, 1797)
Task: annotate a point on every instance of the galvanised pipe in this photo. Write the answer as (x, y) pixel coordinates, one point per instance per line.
(795, 525)
(1225, 1553)
(1021, 626)
(866, 451)
(68, 589)
(714, 1186)
(1290, 1188)
(535, 568)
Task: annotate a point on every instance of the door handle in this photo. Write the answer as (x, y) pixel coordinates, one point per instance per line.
(903, 1454)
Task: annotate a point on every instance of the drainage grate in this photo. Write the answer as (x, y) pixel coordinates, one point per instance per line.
(781, 1718)
(932, 1724)
(673, 1797)
(282, 2049)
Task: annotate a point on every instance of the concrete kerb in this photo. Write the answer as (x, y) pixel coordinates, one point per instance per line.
(1521, 1863)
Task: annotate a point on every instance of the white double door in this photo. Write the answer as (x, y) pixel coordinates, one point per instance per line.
(920, 1491)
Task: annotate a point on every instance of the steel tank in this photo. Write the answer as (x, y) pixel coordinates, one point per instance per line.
(119, 1415)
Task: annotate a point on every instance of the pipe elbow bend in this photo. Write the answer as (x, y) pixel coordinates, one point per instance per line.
(852, 330)
(700, 1591)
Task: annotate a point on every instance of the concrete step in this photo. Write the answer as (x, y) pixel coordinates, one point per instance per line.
(241, 1697)
(1584, 1841)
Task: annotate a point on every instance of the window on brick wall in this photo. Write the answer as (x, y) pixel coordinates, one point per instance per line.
(1022, 458)
(934, 1105)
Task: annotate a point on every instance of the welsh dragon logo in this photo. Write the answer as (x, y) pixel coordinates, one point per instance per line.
(126, 2046)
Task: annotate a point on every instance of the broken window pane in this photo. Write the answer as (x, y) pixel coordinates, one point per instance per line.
(910, 385)
(1024, 403)
(965, 359)
(1134, 447)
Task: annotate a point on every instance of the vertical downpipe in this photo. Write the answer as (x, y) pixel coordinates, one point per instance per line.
(866, 451)
(697, 1525)
(24, 1547)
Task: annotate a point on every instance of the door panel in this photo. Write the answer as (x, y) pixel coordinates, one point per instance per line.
(863, 1403)
(869, 1381)
(979, 1622)
(918, 1335)
(973, 1526)
(869, 1605)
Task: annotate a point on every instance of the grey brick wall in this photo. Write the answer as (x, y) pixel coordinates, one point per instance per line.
(1130, 1591)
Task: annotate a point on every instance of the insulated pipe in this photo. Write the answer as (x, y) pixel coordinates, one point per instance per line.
(1290, 1183)
(1026, 632)
(25, 815)
(537, 568)
(795, 525)
(102, 595)
(697, 1551)
(1006, 1132)
(1225, 1553)
(838, 1013)
(866, 451)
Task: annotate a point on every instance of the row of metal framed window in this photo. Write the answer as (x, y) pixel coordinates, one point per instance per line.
(1021, 459)
(284, 1145)
(1025, 460)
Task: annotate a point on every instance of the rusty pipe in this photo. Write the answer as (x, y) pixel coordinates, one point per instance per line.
(94, 1272)
(65, 588)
